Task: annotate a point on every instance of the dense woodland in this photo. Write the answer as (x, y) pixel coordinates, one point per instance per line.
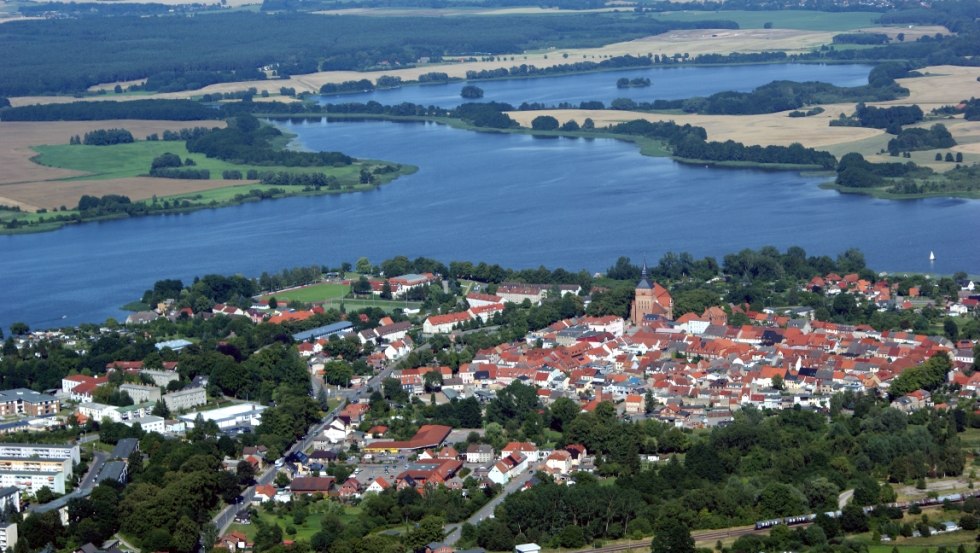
(246, 140)
(47, 56)
(762, 466)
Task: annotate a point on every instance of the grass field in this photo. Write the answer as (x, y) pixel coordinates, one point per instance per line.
(928, 545)
(387, 305)
(314, 293)
(131, 160)
(803, 20)
(305, 530)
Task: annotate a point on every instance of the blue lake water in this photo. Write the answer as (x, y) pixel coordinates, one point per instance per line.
(511, 199)
(668, 83)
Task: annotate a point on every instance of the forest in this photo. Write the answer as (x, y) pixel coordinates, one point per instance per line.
(856, 172)
(163, 110)
(246, 140)
(47, 56)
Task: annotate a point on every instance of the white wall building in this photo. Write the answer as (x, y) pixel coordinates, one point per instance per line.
(240, 414)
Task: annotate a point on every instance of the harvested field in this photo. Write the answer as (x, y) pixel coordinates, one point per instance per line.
(52, 194)
(31, 186)
(769, 129)
(454, 12)
(214, 3)
(941, 85)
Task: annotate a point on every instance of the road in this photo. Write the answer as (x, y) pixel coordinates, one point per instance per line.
(454, 530)
(226, 516)
(84, 489)
(843, 498)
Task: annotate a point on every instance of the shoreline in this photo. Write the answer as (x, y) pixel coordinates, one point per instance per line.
(247, 186)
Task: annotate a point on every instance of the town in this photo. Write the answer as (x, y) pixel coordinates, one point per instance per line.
(427, 383)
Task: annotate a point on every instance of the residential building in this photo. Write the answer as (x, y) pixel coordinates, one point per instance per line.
(32, 481)
(187, 398)
(479, 453)
(52, 451)
(37, 464)
(161, 378)
(21, 401)
(149, 423)
(140, 393)
(8, 535)
(444, 324)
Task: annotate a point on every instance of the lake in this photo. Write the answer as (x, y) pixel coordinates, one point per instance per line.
(516, 200)
(668, 83)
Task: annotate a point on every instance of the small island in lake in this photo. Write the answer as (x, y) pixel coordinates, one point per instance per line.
(639, 82)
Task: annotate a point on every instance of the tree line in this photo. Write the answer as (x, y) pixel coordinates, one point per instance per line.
(104, 137)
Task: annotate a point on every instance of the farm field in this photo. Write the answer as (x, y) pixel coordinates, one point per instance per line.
(941, 85)
(42, 171)
(130, 160)
(805, 20)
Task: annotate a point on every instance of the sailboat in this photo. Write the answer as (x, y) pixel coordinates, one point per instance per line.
(932, 256)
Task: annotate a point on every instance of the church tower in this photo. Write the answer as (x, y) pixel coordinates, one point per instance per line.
(644, 300)
(650, 299)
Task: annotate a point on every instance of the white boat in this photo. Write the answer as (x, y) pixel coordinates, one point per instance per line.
(932, 256)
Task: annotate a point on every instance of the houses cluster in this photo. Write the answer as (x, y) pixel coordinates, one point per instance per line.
(401, 285)
(484, 306)
(695, 371)
(885, 295)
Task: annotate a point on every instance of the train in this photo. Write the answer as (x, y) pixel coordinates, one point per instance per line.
(903, 505)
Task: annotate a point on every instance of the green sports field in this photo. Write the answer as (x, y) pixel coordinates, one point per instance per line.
(314, 293)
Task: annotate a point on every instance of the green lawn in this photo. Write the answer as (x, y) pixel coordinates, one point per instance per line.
(927, 545)
(784, 19)
(387, 305)
(305, 530)
(970, 438)
(131, 160)
(314, 293)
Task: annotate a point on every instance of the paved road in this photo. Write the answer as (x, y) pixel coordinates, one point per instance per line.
(84, 489)
(99, 459)
(843, 498)
(226, 516)
(454, 530)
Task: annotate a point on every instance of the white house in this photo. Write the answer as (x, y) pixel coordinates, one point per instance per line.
(398, 349)
(525, 449)
(444, 324)
(337, 431)
(506, 468)
(379, 485)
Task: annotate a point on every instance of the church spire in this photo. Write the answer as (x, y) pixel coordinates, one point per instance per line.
(644, 283)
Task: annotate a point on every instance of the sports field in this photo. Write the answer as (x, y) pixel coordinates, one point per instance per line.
(313, 293)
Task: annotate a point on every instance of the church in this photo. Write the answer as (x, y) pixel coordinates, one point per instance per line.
(651, 299)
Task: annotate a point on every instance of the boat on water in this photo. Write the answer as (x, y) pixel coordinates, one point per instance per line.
(932, 256)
